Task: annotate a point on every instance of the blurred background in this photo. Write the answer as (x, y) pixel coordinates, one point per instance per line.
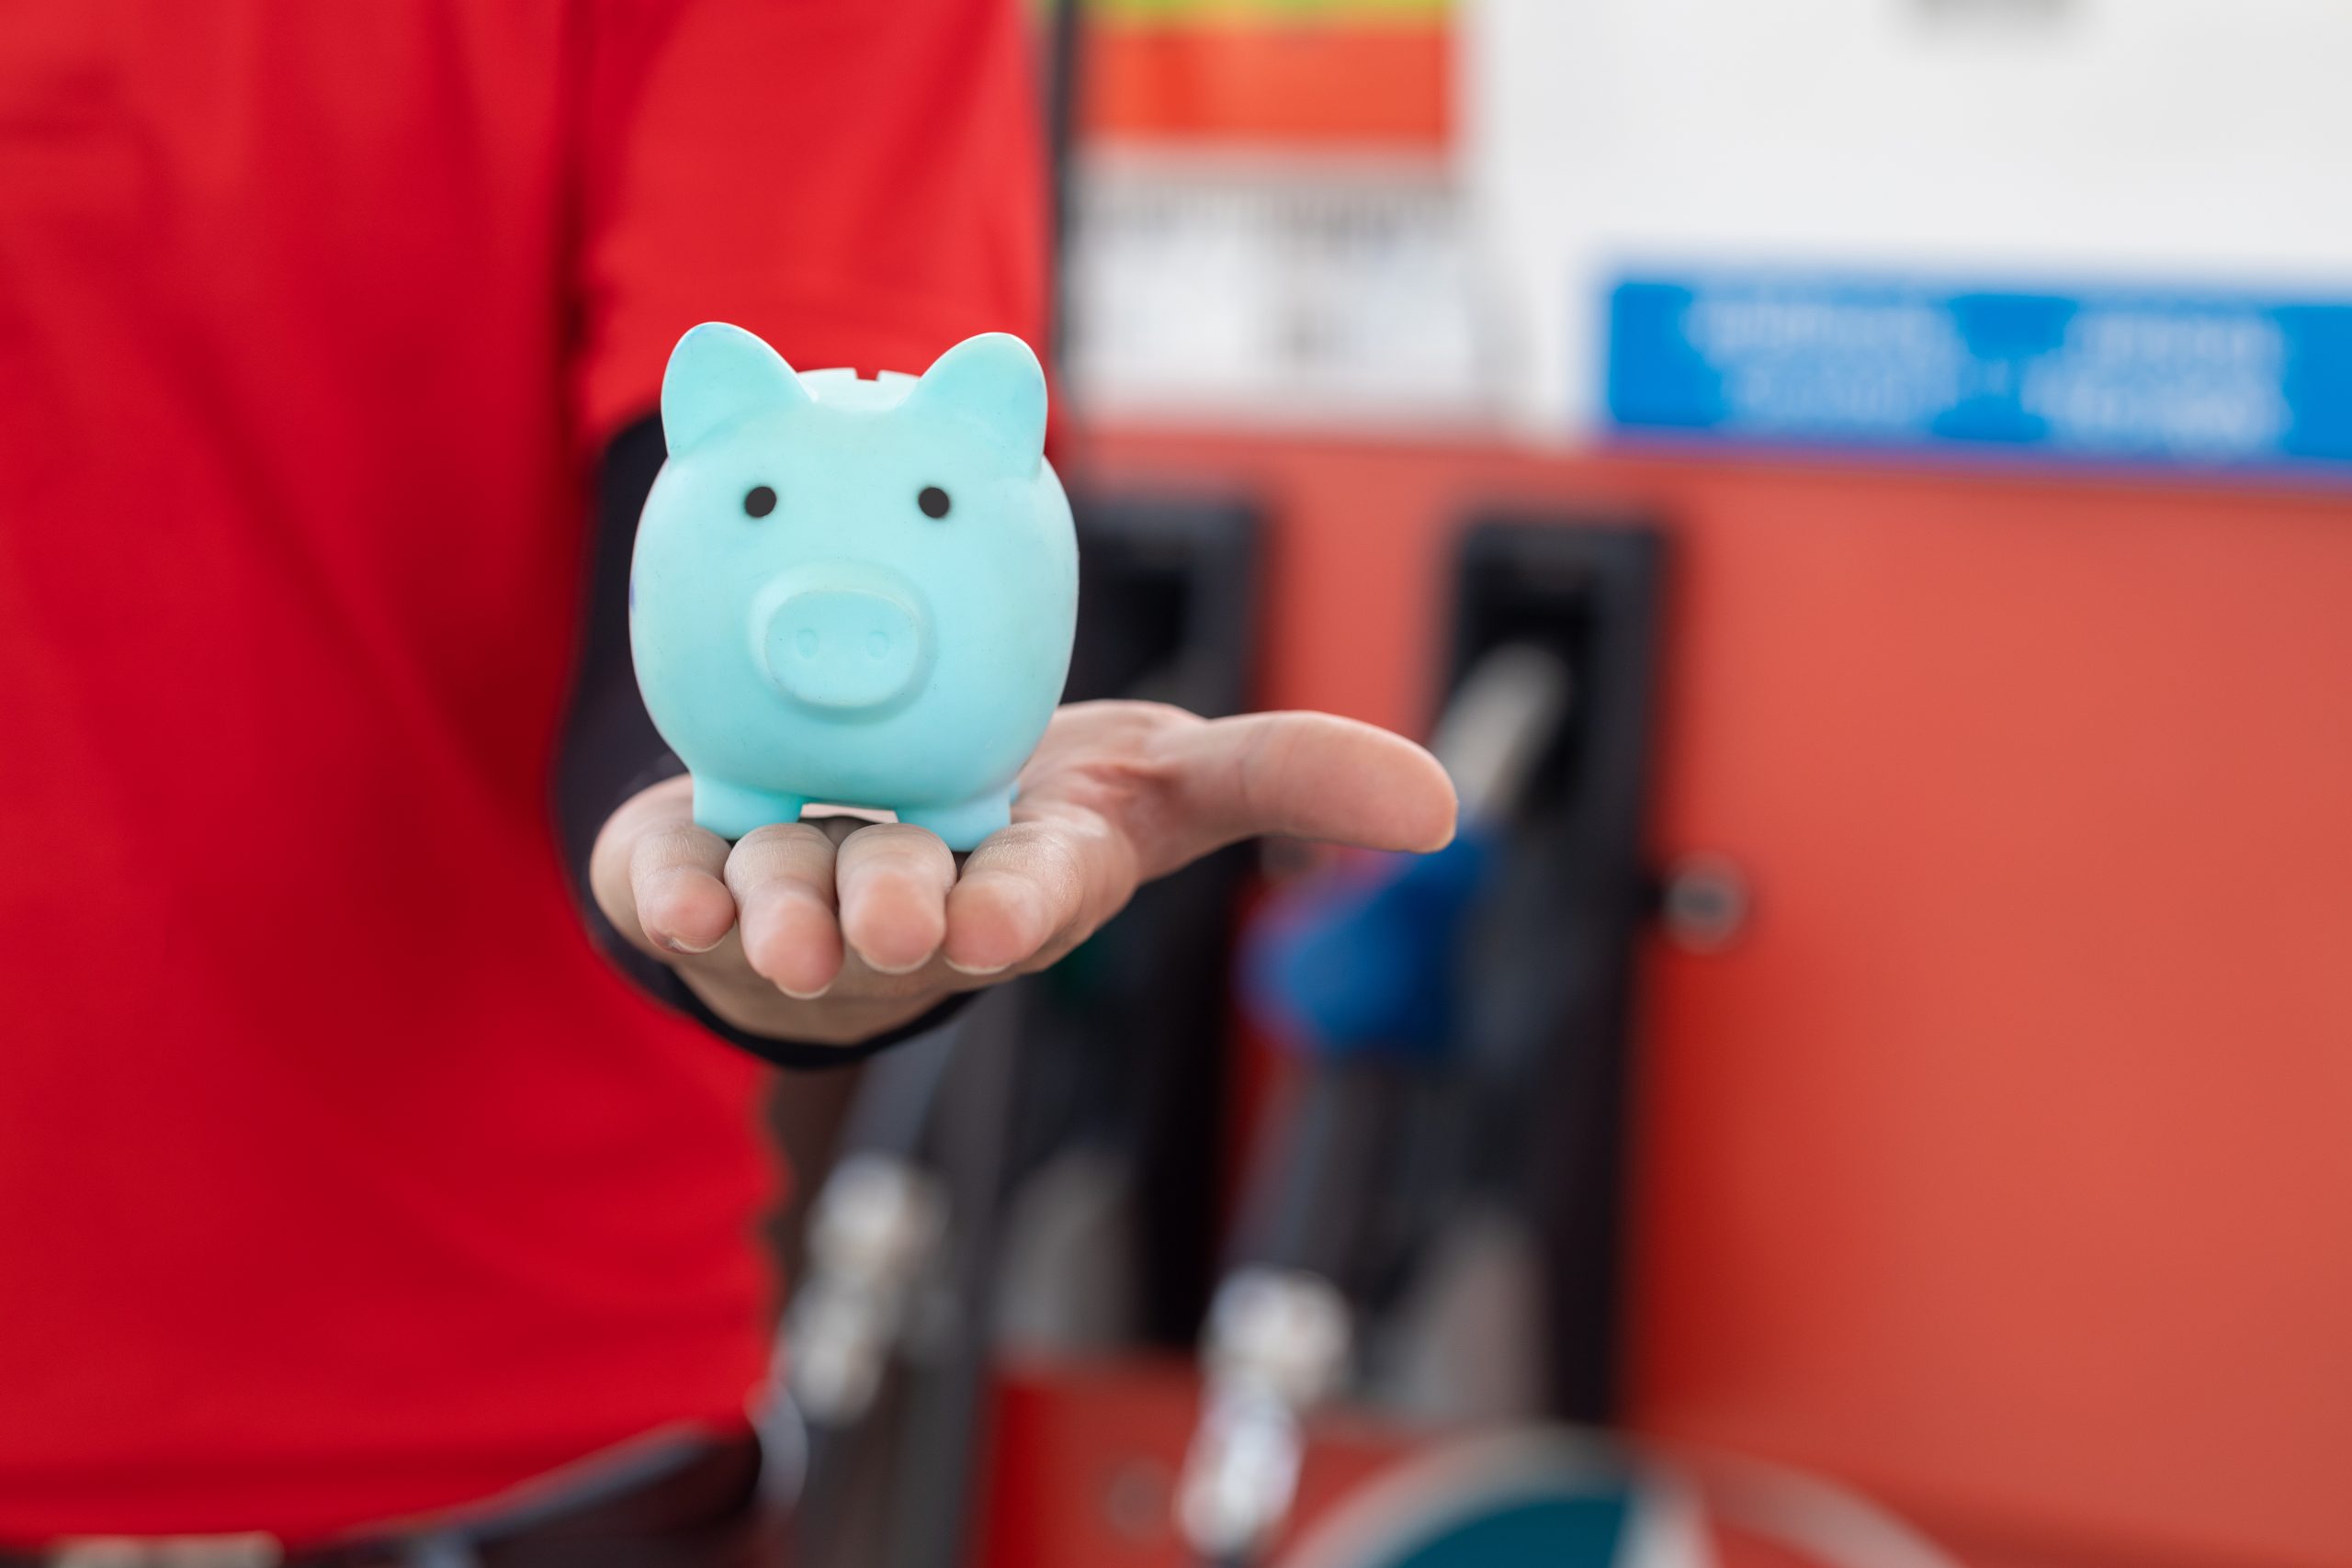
(1857, 492)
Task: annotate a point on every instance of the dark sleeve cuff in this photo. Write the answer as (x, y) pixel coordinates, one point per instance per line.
(664, 986)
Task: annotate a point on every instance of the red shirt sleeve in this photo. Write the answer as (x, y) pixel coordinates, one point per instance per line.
(861, 183)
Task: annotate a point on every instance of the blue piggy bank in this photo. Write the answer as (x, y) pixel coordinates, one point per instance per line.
(860, 592)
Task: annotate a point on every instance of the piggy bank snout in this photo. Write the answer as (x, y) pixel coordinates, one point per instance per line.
(842, 648)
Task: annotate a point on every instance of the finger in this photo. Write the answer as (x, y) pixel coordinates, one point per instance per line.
(782, 877)
(894, 879)
(654, 873)
(1025, 885)
(1309, 775)
(682, 901)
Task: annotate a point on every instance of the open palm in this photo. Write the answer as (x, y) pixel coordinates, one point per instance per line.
(833, 930)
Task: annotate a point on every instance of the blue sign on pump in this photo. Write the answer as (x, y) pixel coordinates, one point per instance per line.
(2116, 374)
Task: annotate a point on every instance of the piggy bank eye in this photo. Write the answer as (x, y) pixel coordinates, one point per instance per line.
(934, 502)
(758, 502)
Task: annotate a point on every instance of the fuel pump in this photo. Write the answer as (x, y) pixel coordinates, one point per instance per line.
(1434, 1003)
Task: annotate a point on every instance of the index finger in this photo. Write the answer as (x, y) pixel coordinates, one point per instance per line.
(1027, 885)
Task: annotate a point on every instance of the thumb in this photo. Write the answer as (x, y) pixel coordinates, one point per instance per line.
(1309, 775)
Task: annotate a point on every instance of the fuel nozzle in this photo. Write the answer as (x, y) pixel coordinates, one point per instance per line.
(875, 1229)
(1277, 1343)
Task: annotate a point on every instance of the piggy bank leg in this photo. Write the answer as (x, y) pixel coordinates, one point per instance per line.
(731, 810)
(966, 824)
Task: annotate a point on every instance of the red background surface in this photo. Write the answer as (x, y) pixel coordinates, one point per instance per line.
(2004, 1166)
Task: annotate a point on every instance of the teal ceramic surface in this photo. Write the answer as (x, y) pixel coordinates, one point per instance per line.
(859, 593)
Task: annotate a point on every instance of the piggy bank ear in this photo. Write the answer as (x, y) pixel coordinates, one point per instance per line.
(993, 381)
(718, 374)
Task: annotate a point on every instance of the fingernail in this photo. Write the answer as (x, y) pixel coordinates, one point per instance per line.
(677, 944)
(804, 996)
(977, 971)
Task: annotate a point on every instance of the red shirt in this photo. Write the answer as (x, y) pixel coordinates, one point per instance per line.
(340, 1178)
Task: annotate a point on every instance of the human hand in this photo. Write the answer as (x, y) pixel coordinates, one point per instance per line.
(835, 929)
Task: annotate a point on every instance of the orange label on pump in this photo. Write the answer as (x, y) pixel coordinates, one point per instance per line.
(1322, 73)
